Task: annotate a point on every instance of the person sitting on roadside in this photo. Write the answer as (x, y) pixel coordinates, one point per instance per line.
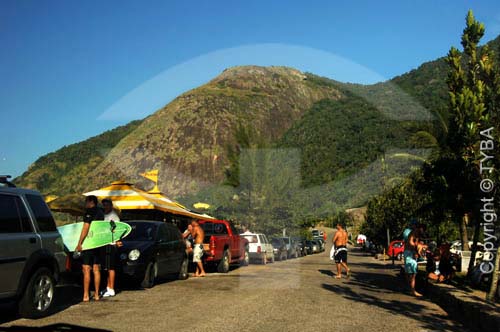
(439, 267)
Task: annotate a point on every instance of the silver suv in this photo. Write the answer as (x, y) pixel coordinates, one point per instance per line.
(31, 250)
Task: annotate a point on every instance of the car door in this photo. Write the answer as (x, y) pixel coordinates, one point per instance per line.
(269, 246)
(51, 240)
(162, 249)
(17, 241)
(175, 249)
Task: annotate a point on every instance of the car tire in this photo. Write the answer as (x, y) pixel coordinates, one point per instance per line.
(183, 272)
(246, 258)
(150, 275)
(38, 298)
(224, 263)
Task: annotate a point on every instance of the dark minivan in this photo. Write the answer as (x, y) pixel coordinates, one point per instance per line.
(152, 250)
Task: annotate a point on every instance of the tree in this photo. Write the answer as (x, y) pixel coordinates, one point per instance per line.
(468, 112)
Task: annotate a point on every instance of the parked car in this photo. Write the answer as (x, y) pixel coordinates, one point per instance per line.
(456, 248)
(223, 245)
(301, 247)
(260, 249)
(152, 250)
(32, 257)
(396, 249)
(291, 247)
(316, 247)
(321, 244)
(308, 247)
(280, 251)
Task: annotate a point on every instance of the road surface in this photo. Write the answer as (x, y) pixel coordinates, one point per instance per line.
(298, 294)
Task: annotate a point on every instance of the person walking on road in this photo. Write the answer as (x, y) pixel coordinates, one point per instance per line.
(198, 236)
(340, 243)
(410, 257)
(110, 251)
(90, 257)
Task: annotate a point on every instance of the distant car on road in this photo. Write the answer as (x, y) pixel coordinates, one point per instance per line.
(280, 250)
(314, 246)
(260, 248)
(291, 247)
(153, 249)
(32, 256)
(396, 249)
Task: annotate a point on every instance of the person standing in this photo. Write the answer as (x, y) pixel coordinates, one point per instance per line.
(340, 243)
(110, 251)
(188, 237)
(410, 257)
(90, 257)
(198, 236)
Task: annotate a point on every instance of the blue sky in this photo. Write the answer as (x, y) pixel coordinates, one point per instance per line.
(72, 69)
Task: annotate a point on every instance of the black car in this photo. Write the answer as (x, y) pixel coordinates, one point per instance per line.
(152, 250)
(301, 247)
(280, 250)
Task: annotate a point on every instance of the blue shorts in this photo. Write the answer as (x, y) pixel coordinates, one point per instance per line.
(410, 262)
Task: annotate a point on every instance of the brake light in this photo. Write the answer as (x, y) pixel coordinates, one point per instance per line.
(259, 249)
(68, 264)
(212, 245)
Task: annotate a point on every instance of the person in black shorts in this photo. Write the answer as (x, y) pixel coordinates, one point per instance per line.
(90, 257)
(109, 253)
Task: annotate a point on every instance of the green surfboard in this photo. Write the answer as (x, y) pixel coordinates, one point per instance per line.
(99, 234)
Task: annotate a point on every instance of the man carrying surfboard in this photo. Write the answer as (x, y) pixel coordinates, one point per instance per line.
(109, 251)
(90, 257)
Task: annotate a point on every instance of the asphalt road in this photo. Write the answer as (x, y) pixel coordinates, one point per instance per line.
(298, 294)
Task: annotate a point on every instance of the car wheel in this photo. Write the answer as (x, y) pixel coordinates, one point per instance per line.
(183, 273)
(223, 266)
(150, 275)
(38, 297)
(263, 260)
(246, 258)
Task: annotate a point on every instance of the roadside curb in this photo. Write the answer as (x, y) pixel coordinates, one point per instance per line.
(469, 309)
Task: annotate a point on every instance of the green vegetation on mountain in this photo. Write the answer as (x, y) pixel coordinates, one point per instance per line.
(64, 171)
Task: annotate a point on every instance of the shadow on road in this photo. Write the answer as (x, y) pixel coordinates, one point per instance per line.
(66, 297)
(53, 327)
(327, 272)
(370, 283)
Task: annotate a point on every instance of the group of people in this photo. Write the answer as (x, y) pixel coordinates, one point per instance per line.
(94, 258)
(438, 266)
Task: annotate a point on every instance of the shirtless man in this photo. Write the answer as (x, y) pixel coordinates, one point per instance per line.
(198, 236)
(340, 242)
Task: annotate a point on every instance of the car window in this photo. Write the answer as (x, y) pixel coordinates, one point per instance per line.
(264, 239)
(173, 233)
(141, 231)
(42, 213)
(162, 233)
(214, 228)
(14, 217)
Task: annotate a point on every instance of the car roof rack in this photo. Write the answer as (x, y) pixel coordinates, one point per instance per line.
(4, 179)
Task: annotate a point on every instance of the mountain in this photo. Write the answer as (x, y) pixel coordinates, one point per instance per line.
(187, 139)
(337, 127)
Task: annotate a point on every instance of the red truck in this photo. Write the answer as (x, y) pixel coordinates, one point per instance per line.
(223, 246)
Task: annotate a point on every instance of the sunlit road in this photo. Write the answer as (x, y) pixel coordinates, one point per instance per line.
(298, 294)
